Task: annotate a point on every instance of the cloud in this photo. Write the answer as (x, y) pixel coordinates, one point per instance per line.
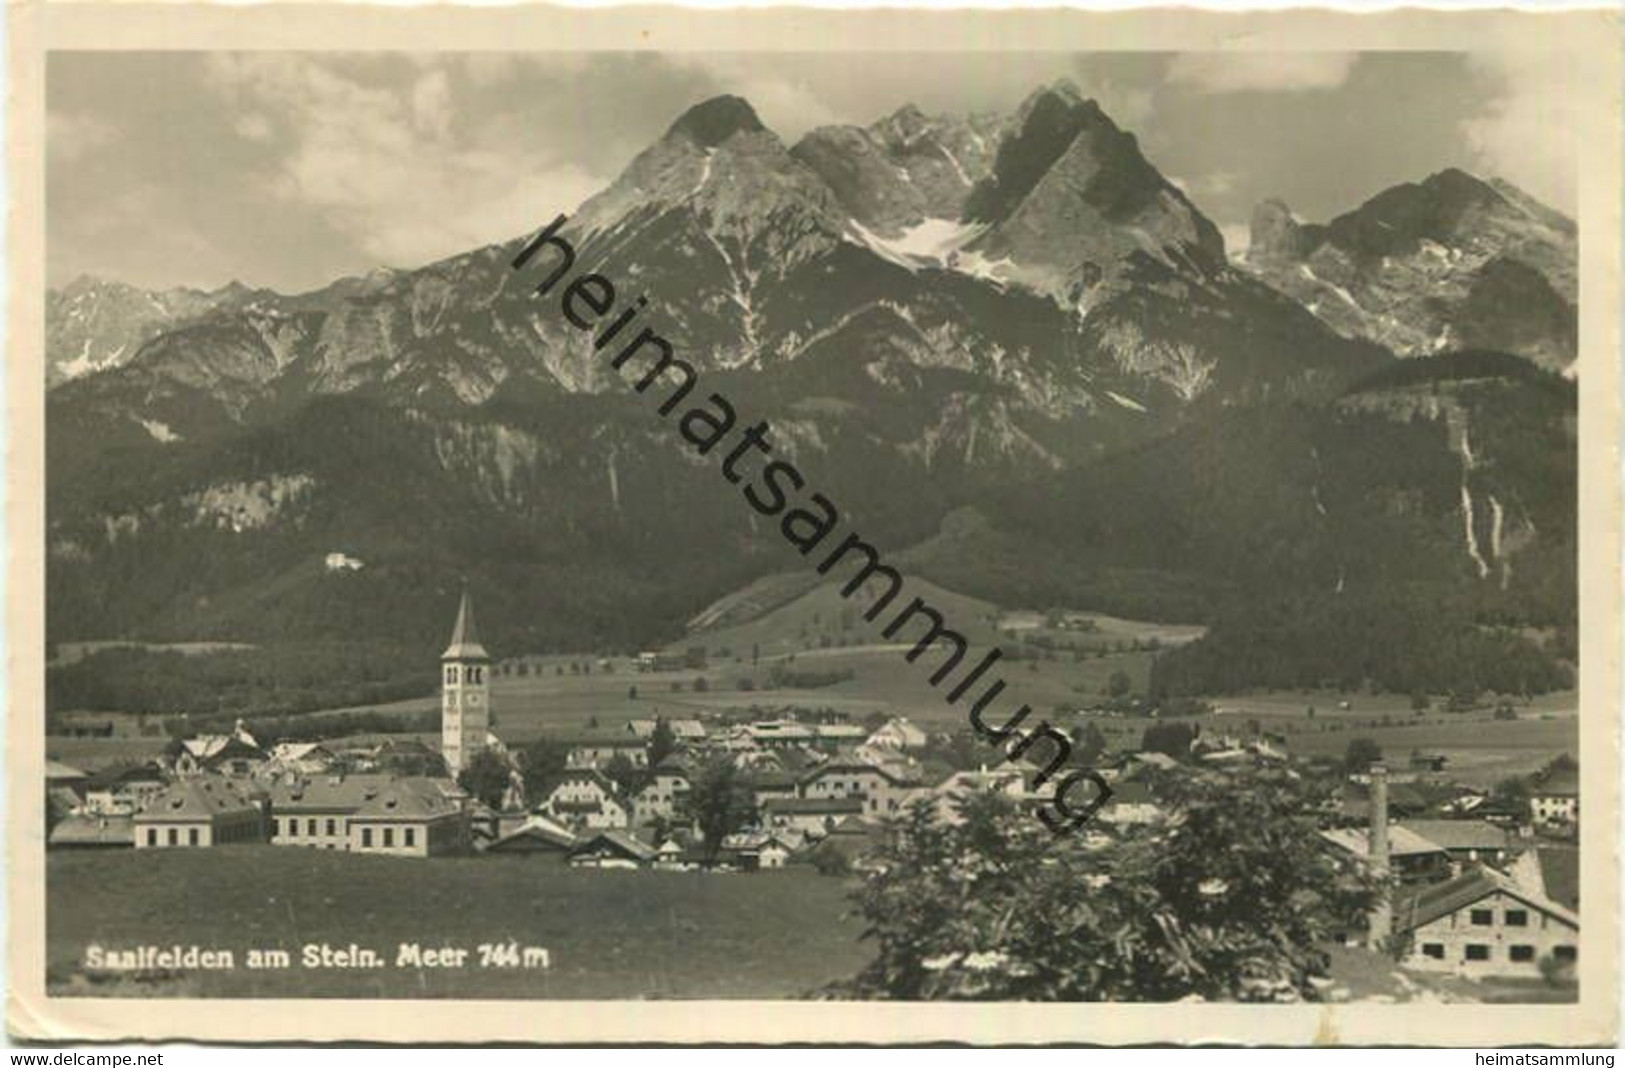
(1240, 72)
(1525, 131)
(410, 172)
(71, 137)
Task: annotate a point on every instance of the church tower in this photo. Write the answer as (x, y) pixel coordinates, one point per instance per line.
(465, 691)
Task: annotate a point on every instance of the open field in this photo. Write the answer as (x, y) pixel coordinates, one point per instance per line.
(609, 934)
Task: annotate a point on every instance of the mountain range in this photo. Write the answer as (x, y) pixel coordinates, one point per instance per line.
(1008, 343)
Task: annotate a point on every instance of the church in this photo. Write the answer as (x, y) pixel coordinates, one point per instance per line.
(465, 692)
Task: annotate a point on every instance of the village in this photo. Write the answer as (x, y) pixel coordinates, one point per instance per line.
(1485, 881)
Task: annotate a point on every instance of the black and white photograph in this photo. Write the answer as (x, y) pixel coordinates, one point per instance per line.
(803, 526)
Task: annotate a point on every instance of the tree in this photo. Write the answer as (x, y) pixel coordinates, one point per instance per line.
(486, 777)
(1172, 739)
(631, 693)
(1419, 702)
(541, 761)
(1233, 899)
(1087, 744)
(628, 778)
(1119, 684)
(718, 802)
(1360, 754)
(662, 743)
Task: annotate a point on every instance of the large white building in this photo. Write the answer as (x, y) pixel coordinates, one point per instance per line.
(465, 692)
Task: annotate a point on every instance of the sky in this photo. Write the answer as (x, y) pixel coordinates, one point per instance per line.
(292, 169)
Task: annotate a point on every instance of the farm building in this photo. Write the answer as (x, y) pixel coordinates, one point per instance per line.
(538, 836)
(1483, 923)
(92, 832)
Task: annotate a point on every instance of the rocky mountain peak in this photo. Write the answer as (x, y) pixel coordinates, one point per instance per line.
(1275, 235)
(713, 121)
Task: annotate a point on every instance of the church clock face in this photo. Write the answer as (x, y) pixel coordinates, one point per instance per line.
(474, 699)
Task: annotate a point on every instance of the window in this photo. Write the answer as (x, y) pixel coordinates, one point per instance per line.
(191, 836)
(1565, 954)
(1483, 917)
(1433, 949)
(1517, 918)
(152, 836)
(310, 827)
(1478, 951)
(1521, 954)
(451, 674)
(332, 827)
(409, 835)
(174, 836)
(389, 837)
(366, 838)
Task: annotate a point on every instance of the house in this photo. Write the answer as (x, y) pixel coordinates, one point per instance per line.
(1483, 923)
(537, 836)
(1131, 803)
(898, 733)
(299, 758)
(407, 757)
(882, 789)
(837, 735)
(687, 731)
(611, 849)
(772, 783)
(664, 796)
(1466, 841)
(762, 850)
(584, 799)
(315, 812)
(1429, 762)
(1009, 782)
(412, 817)
(1552, 872)
(1412, 858)
(594, 749)
(59, 774)
(203, 810)
(1555, 799)
(92, 832)
(122, 789)
(236, 753)
(782, 734)
(812, 816)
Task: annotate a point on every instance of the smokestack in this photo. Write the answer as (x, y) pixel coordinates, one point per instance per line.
(1382, 915)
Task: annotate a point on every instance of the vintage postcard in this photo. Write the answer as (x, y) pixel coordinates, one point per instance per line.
(766, 526)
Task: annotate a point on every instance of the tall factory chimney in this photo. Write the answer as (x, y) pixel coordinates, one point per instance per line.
(1382, 911)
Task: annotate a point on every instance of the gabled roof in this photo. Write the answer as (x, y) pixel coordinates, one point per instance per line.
(1441, 899)
(465, 637)
(1460, 834)
(535, 830)
(415, 798)
(94, 830)
(812, 806)
(615, 841)
(119, 774)
(189, 800)
(1401, 842)
(55, 771)
(1563, 782)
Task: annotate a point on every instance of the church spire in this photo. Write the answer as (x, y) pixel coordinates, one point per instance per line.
(465, 639)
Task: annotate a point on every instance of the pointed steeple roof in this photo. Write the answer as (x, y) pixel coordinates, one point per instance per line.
(465, 639)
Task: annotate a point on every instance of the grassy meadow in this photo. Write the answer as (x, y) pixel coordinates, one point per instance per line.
(609, 934)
